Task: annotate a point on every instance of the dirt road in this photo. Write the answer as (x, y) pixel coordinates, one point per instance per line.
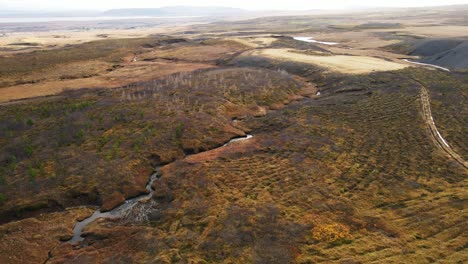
(426, 107)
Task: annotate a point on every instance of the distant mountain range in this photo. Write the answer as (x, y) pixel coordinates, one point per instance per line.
(170, 11)
(198, 11)
(176, 11)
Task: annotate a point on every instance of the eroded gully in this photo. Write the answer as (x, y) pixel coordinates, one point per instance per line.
(130, 204)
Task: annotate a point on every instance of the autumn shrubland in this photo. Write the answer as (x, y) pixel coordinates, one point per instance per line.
(341, 177)
(348, 175)
(124, 132)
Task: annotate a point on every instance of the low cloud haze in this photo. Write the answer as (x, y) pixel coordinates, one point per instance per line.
(47, 5)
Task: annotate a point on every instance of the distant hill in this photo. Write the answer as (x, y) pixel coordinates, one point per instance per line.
(175, 11)
(451, 53)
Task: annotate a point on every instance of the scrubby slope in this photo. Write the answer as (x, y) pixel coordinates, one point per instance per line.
(350, 175)
(353, 177)
(99, 147)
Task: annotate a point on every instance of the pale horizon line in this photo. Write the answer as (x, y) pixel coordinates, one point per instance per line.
(342, 8)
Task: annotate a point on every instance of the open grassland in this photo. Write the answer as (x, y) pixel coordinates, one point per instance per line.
(26, 37)
(206, 51)
(29, 67)
(255, 42)
(125, 74)
(108, 63)
(339, 63)
(434, 31)
(108, 50)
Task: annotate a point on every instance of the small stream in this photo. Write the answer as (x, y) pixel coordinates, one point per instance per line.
(237, 139)
(119, 211)
(126, 208)
(426, 64)
(312, 40)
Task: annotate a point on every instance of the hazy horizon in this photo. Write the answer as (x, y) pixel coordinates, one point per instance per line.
(63, 5)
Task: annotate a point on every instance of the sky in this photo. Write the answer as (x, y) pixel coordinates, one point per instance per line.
(49, 5)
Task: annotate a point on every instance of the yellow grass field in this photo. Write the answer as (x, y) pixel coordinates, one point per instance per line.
(255, 42)
(339, 63)
(203, 53)
(61, 38)
(433, 31)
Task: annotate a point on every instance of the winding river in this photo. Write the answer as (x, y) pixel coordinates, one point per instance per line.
(129, 204)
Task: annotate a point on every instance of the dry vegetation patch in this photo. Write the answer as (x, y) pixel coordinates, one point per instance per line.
(207, 51)
(106, 63)
(255, 42)
(30, 240)
(122, 134)
(446, 31)
(128, 74)
(74, 70)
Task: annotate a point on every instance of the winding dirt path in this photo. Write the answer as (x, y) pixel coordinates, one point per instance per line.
(441, 142)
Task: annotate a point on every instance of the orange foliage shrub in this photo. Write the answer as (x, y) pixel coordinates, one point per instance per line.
(330, 232)
(49, 168)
